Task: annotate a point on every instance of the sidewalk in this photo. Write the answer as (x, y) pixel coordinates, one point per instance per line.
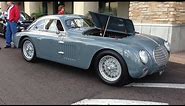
(178, 57)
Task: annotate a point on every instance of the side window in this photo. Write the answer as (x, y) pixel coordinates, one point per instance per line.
(54, 25)
(40, 25)
(51, 26)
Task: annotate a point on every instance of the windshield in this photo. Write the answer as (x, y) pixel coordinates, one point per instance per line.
(79, 23)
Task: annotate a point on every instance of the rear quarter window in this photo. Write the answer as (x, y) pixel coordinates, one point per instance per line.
(40, 25)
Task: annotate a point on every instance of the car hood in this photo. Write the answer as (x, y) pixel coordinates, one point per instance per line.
(112, 23)
(144, 41)
(137, 42)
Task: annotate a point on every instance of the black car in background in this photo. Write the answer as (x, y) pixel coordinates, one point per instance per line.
(25, 21)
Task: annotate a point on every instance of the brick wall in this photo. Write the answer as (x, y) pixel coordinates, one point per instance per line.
(157, 12)
(180, 12)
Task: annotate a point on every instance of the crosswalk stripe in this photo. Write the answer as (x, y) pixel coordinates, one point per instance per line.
(157, 85)
(116, 102)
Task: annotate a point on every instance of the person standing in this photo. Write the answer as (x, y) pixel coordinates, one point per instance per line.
(61, 10)
(12, 20)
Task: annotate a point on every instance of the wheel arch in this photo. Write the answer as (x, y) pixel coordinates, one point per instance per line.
(20, 41)
(105, 49)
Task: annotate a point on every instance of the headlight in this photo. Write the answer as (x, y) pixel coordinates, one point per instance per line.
(167, 45)
(143, 56)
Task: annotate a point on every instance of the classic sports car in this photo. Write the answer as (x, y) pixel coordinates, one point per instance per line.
(108, 43)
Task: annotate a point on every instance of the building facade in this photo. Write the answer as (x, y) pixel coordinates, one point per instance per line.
(162, 19)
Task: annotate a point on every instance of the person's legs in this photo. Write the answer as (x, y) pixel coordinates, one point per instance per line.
(14, 29)
(8, 35)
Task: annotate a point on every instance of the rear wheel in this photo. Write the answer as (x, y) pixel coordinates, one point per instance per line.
(28, 50)
(111, 68)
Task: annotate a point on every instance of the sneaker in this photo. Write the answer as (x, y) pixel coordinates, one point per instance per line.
(7, 46)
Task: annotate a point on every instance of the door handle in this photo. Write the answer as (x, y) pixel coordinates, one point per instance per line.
(60, 52)
(61, 42)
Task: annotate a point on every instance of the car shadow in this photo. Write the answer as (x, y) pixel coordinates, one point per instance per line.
(66, 68)
(174, 72)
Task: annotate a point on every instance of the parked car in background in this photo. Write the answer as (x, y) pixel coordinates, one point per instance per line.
(25, 21)
(108, 43)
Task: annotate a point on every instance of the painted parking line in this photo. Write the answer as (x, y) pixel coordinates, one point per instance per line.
(116, 102)
(157, 85)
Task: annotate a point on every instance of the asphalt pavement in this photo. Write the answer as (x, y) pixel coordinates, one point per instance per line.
(50, 83)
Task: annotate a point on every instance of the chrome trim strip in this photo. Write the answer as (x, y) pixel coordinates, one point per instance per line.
(60, 52)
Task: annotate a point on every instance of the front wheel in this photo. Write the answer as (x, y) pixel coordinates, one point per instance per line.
(28, 50)
(111, 68)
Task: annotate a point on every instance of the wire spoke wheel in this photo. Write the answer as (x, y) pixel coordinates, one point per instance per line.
(28, 50)
(110, 68)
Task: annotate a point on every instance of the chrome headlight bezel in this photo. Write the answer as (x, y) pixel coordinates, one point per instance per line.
(143, 56)
(167, 45)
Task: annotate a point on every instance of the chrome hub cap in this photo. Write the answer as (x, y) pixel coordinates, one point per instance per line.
(28, 50)
(110, 68)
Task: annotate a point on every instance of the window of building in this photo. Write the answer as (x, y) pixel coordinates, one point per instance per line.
(108, 7)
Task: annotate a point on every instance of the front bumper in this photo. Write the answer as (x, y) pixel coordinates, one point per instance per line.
(142, 72)
(147, 71)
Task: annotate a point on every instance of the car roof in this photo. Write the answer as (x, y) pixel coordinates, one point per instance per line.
(65, 17)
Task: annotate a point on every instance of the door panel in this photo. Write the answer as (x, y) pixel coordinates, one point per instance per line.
(48, 46)
(71, 50)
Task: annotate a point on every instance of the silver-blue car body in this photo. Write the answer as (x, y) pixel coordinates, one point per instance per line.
(77, 41)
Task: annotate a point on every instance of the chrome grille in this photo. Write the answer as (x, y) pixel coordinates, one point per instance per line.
(161, 55)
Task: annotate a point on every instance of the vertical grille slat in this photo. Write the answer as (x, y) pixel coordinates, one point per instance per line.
(161, 55)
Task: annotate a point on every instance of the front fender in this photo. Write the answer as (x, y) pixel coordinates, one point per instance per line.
(131, 56)
(17, 39)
